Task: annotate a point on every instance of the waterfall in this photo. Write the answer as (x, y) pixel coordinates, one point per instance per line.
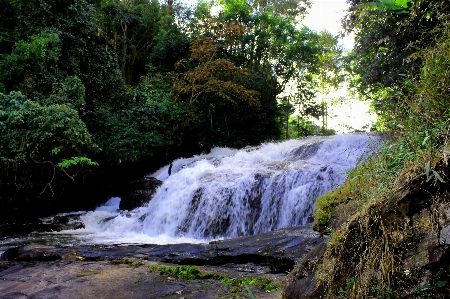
(229, 193)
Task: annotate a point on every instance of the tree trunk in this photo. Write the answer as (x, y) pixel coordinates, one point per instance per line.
(124, 56)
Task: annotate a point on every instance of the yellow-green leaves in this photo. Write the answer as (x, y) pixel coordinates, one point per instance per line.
(66, 163)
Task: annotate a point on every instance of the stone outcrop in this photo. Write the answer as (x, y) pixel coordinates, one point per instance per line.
(49, 224)
(119, 279)
(400, 246)
(139, 193)
(300, 283)
(272, 252)
(100, 271)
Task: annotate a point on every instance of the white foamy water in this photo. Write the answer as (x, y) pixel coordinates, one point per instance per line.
(229, 193)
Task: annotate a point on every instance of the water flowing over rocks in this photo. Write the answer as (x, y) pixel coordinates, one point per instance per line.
(244, 212)
(230, 193)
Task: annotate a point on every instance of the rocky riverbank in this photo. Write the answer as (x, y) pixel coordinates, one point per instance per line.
(393, 248)
(122, 271)
(119, 279)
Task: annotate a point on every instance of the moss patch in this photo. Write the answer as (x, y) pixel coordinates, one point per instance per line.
(237, 284)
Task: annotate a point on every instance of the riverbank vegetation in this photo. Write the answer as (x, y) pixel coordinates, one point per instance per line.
(94, 94)
(387, 220)
(236, 284)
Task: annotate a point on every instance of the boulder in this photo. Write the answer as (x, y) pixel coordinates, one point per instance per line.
(396, 246)
(300, 283)
(139, 193)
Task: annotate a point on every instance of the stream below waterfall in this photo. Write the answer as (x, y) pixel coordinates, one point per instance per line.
(226, 193)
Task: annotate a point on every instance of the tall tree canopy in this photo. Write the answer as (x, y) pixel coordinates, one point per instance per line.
(97, 87)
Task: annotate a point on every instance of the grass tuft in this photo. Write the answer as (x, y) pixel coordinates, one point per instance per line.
(191, 272)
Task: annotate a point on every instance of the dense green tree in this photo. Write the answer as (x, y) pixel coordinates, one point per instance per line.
(69, 75)
(32, 132)
(385, 38)
(147, 124)
(42, 145)
(141, 35)
(244, 37)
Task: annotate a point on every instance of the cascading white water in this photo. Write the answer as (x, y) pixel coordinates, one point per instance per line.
(229, 193)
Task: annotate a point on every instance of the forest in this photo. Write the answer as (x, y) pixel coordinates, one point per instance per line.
(96, 93)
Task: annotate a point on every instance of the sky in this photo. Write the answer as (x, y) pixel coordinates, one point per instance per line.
(327, 14)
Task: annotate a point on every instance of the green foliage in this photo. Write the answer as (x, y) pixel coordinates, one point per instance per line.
(66, 163)
(239, 8)
(70, 92)
(191, 272)
(26, 67)
(32, 132)
(261, 283)
(140, 33)
(183, 272)
(73, 92)
(250, 292)
(261, 40)
(171, 44)
(396, 6)
(42, 47)
(384, 42)
(42, 146)
(146, 125)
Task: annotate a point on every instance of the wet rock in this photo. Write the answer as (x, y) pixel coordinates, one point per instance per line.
(106, 271)
(444, 222)
(275, 251)
(310, 149)
(414, 225)
(81, 279)
(56, 227)
(63, 219)
(16, 228)
(139, 193)
(107, 219)
(50, 224)
(33, 252)
(57, 223)
(444, 237)
(300, 283)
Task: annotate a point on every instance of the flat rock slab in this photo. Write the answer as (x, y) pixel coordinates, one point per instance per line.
(100, 271)
(104, 279)
(271, 252)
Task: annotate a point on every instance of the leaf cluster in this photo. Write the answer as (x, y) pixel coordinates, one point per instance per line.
(34, 132)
